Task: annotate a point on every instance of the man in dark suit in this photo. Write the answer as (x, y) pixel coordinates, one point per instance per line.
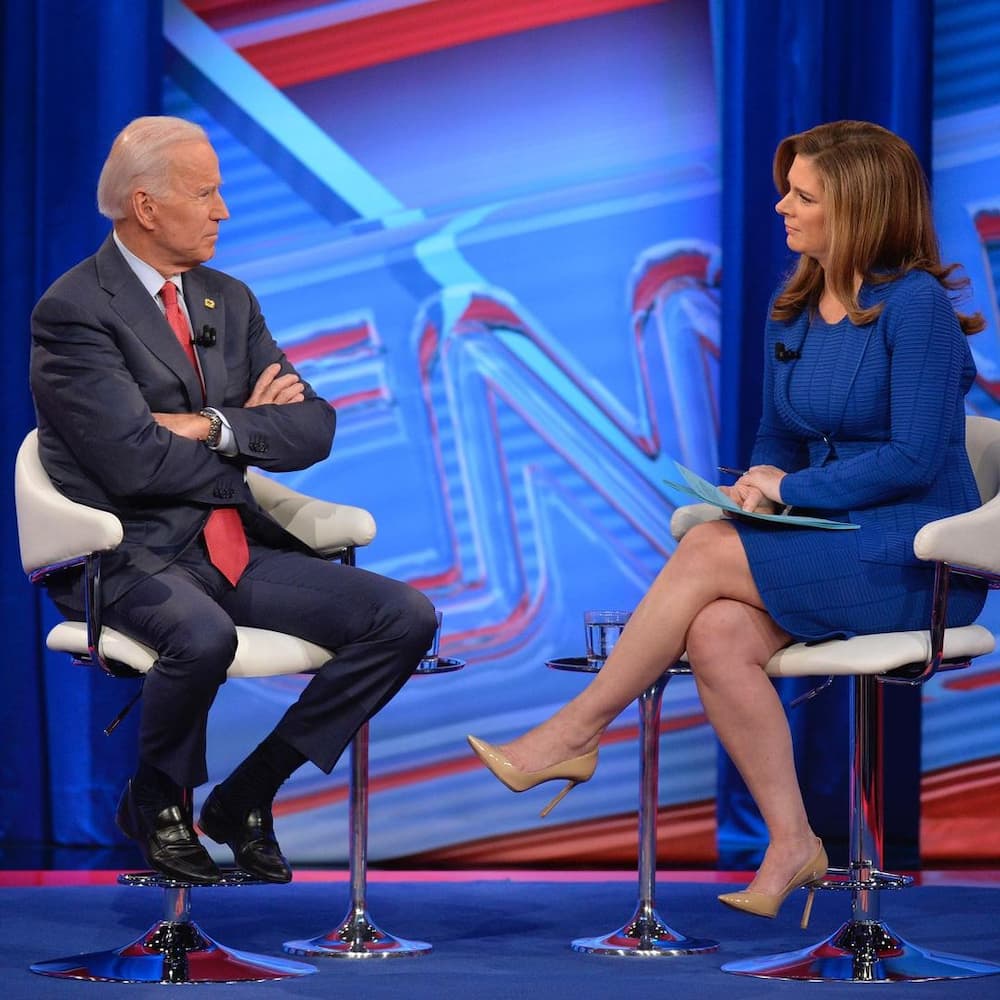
(156, 383)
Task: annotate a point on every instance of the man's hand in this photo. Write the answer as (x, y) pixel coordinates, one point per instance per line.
(272, 388)
(188, 425)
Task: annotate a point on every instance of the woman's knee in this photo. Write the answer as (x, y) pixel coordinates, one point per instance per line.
(728, 636)
(711, 638)
(706, 541)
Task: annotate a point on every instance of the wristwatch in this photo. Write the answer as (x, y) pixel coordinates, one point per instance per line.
(215, 430)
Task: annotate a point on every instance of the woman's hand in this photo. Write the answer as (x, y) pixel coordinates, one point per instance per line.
(758, 490)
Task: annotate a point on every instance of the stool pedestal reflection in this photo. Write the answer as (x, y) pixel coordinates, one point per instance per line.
(357, 935)
(174, 949)
(646, 934)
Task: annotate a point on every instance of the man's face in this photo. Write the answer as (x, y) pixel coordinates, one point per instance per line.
(187, 218)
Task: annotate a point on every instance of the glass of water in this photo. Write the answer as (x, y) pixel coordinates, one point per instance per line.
(603, 629)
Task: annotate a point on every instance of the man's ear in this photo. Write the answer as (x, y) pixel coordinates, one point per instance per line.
(143, 206)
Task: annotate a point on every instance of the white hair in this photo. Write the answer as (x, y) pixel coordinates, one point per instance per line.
(137, 160)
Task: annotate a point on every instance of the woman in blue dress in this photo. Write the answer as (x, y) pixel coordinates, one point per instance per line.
(863, 421)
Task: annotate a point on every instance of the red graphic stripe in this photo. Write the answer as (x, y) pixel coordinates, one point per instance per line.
(443, 769)
(987, 224)
(684, 834)
(322, 344)
(960, 812)
(682, 265)
(222, 14)
(411, 31)
(973, 681)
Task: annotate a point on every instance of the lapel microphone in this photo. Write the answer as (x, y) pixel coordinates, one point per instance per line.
(782, 353)
(207, 337)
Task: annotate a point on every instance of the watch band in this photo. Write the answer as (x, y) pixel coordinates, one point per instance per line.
(215, 430)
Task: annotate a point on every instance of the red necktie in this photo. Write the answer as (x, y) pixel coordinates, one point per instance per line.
(225, 538)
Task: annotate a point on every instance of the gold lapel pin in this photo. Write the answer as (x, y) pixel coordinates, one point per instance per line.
(209, 303)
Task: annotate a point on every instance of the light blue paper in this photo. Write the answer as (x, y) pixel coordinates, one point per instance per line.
(707, 493)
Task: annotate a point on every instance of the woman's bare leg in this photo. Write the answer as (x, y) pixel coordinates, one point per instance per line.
(709, 564)
(729, 643)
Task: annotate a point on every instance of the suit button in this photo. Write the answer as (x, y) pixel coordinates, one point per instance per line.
(258, 444)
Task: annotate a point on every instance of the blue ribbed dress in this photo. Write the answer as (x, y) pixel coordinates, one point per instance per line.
(869, 423)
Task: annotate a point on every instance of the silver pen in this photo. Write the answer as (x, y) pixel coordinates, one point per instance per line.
(732, 472)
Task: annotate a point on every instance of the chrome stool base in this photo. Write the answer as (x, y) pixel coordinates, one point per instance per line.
(174, 949)
(645, 936)
(357, 937)
(172, 953)
(863, 951)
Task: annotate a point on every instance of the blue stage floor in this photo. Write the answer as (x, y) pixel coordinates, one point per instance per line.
(494, 937)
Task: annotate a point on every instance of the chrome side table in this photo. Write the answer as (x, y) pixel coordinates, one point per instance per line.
(357, 935)
(646, 934)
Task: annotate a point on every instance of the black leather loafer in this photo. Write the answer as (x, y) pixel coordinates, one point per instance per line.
(167, 841)
(251, 839)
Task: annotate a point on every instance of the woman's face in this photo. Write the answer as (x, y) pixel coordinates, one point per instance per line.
(804, 210)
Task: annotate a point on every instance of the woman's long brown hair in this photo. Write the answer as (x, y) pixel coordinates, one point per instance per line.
(878, 214)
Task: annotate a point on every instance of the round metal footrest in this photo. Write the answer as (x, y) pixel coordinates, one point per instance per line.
(230, 877)
(358, 936)
(863, 951)
(877, 880)
(172, 953)
(646, 935)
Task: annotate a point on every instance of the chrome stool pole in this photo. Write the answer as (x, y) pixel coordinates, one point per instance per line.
(357, 935)
(174, 949)
(646, 934)
(864, 949)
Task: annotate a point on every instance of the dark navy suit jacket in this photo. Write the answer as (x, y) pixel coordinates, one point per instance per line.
(104, 359)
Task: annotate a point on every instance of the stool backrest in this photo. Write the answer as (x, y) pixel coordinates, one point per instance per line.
(982, 441)
(54, 530)
(51, 528)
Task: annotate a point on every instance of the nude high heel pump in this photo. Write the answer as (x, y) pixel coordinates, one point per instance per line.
(764, 904)
(572, 771)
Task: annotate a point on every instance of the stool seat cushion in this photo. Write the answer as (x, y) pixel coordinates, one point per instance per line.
(877, 653)
(259, 652)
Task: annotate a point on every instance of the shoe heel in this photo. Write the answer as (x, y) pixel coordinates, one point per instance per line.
(570, 785)
(208, 822)
(807, 911)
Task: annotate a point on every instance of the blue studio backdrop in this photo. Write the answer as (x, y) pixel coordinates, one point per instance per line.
(528, 258)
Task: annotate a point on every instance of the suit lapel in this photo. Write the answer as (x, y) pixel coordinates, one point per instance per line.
(205, 307)
(140, 313)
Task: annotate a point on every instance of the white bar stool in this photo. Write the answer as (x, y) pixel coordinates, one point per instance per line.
(865, 949)
(56, 534)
